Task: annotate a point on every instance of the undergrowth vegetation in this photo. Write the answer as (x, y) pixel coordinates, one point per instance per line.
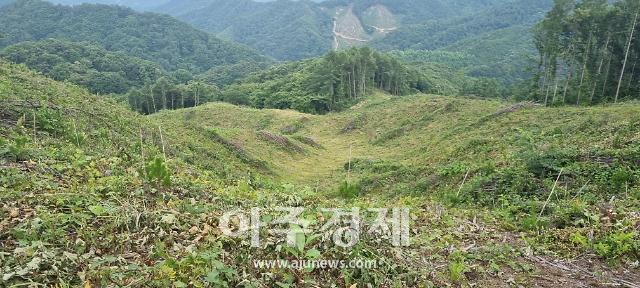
(95, 195)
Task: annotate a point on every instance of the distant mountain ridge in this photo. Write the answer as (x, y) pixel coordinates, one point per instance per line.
(292, 30)
(494, 33)
(158, 38)
(286, 30)
(289, 30)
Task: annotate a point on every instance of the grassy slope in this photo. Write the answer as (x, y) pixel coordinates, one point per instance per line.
(420, 130)
(74, 198)
(418, 149)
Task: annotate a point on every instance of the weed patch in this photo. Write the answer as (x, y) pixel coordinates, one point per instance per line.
(308, 141)
(353, 124)
(237, 150)
(279, 141)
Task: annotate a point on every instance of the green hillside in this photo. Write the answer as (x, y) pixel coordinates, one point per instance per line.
(498, 41)
(142, 5)
(157, 38)
(84, 64)
(431, 35)
(286, 30)
(501, 192)
(331, 83)
(292, 30)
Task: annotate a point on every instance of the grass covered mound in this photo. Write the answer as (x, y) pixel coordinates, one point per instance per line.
(93, 194)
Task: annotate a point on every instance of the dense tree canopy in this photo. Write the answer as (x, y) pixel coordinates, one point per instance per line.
(158, 38)
(588, 52)
(329, 83)
(287, 30)
(84, 64)
(227, 74)
(143, 84)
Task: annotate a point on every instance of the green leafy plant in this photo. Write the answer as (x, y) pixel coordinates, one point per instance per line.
(620, 179)
(347, 190)
(157, 172)
(616, 245)
(457, 266)
(50, 121)
(18, 150)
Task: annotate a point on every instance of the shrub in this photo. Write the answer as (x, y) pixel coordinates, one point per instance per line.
(457, 266)
(18, 150)
(157, 172)
(452, 169)
(620, 179)
(50, 121)
(348, 191)
(616, 245)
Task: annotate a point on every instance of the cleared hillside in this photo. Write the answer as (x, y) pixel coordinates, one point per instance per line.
(93, 194)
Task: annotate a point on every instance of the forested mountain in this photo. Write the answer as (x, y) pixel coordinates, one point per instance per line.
(162, 39)
(136, 4)
(431, 35)
(498, 41)
(285, 23)
(286, 30)
(84, 64)
(293, 30)
(589, 51)
(143, 84)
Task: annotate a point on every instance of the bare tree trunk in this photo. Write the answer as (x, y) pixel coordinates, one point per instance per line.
(545, 72)
(355, 91)
(584, 69)
(604, 54)
(164, 98)
(349, 85)
(546, 95)
(555, 92)
(633, 73)
(197, 100)
(626, 56)
(566, 86)
(569, 76)
(606, 76)
(153, 100)
(364, 78)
